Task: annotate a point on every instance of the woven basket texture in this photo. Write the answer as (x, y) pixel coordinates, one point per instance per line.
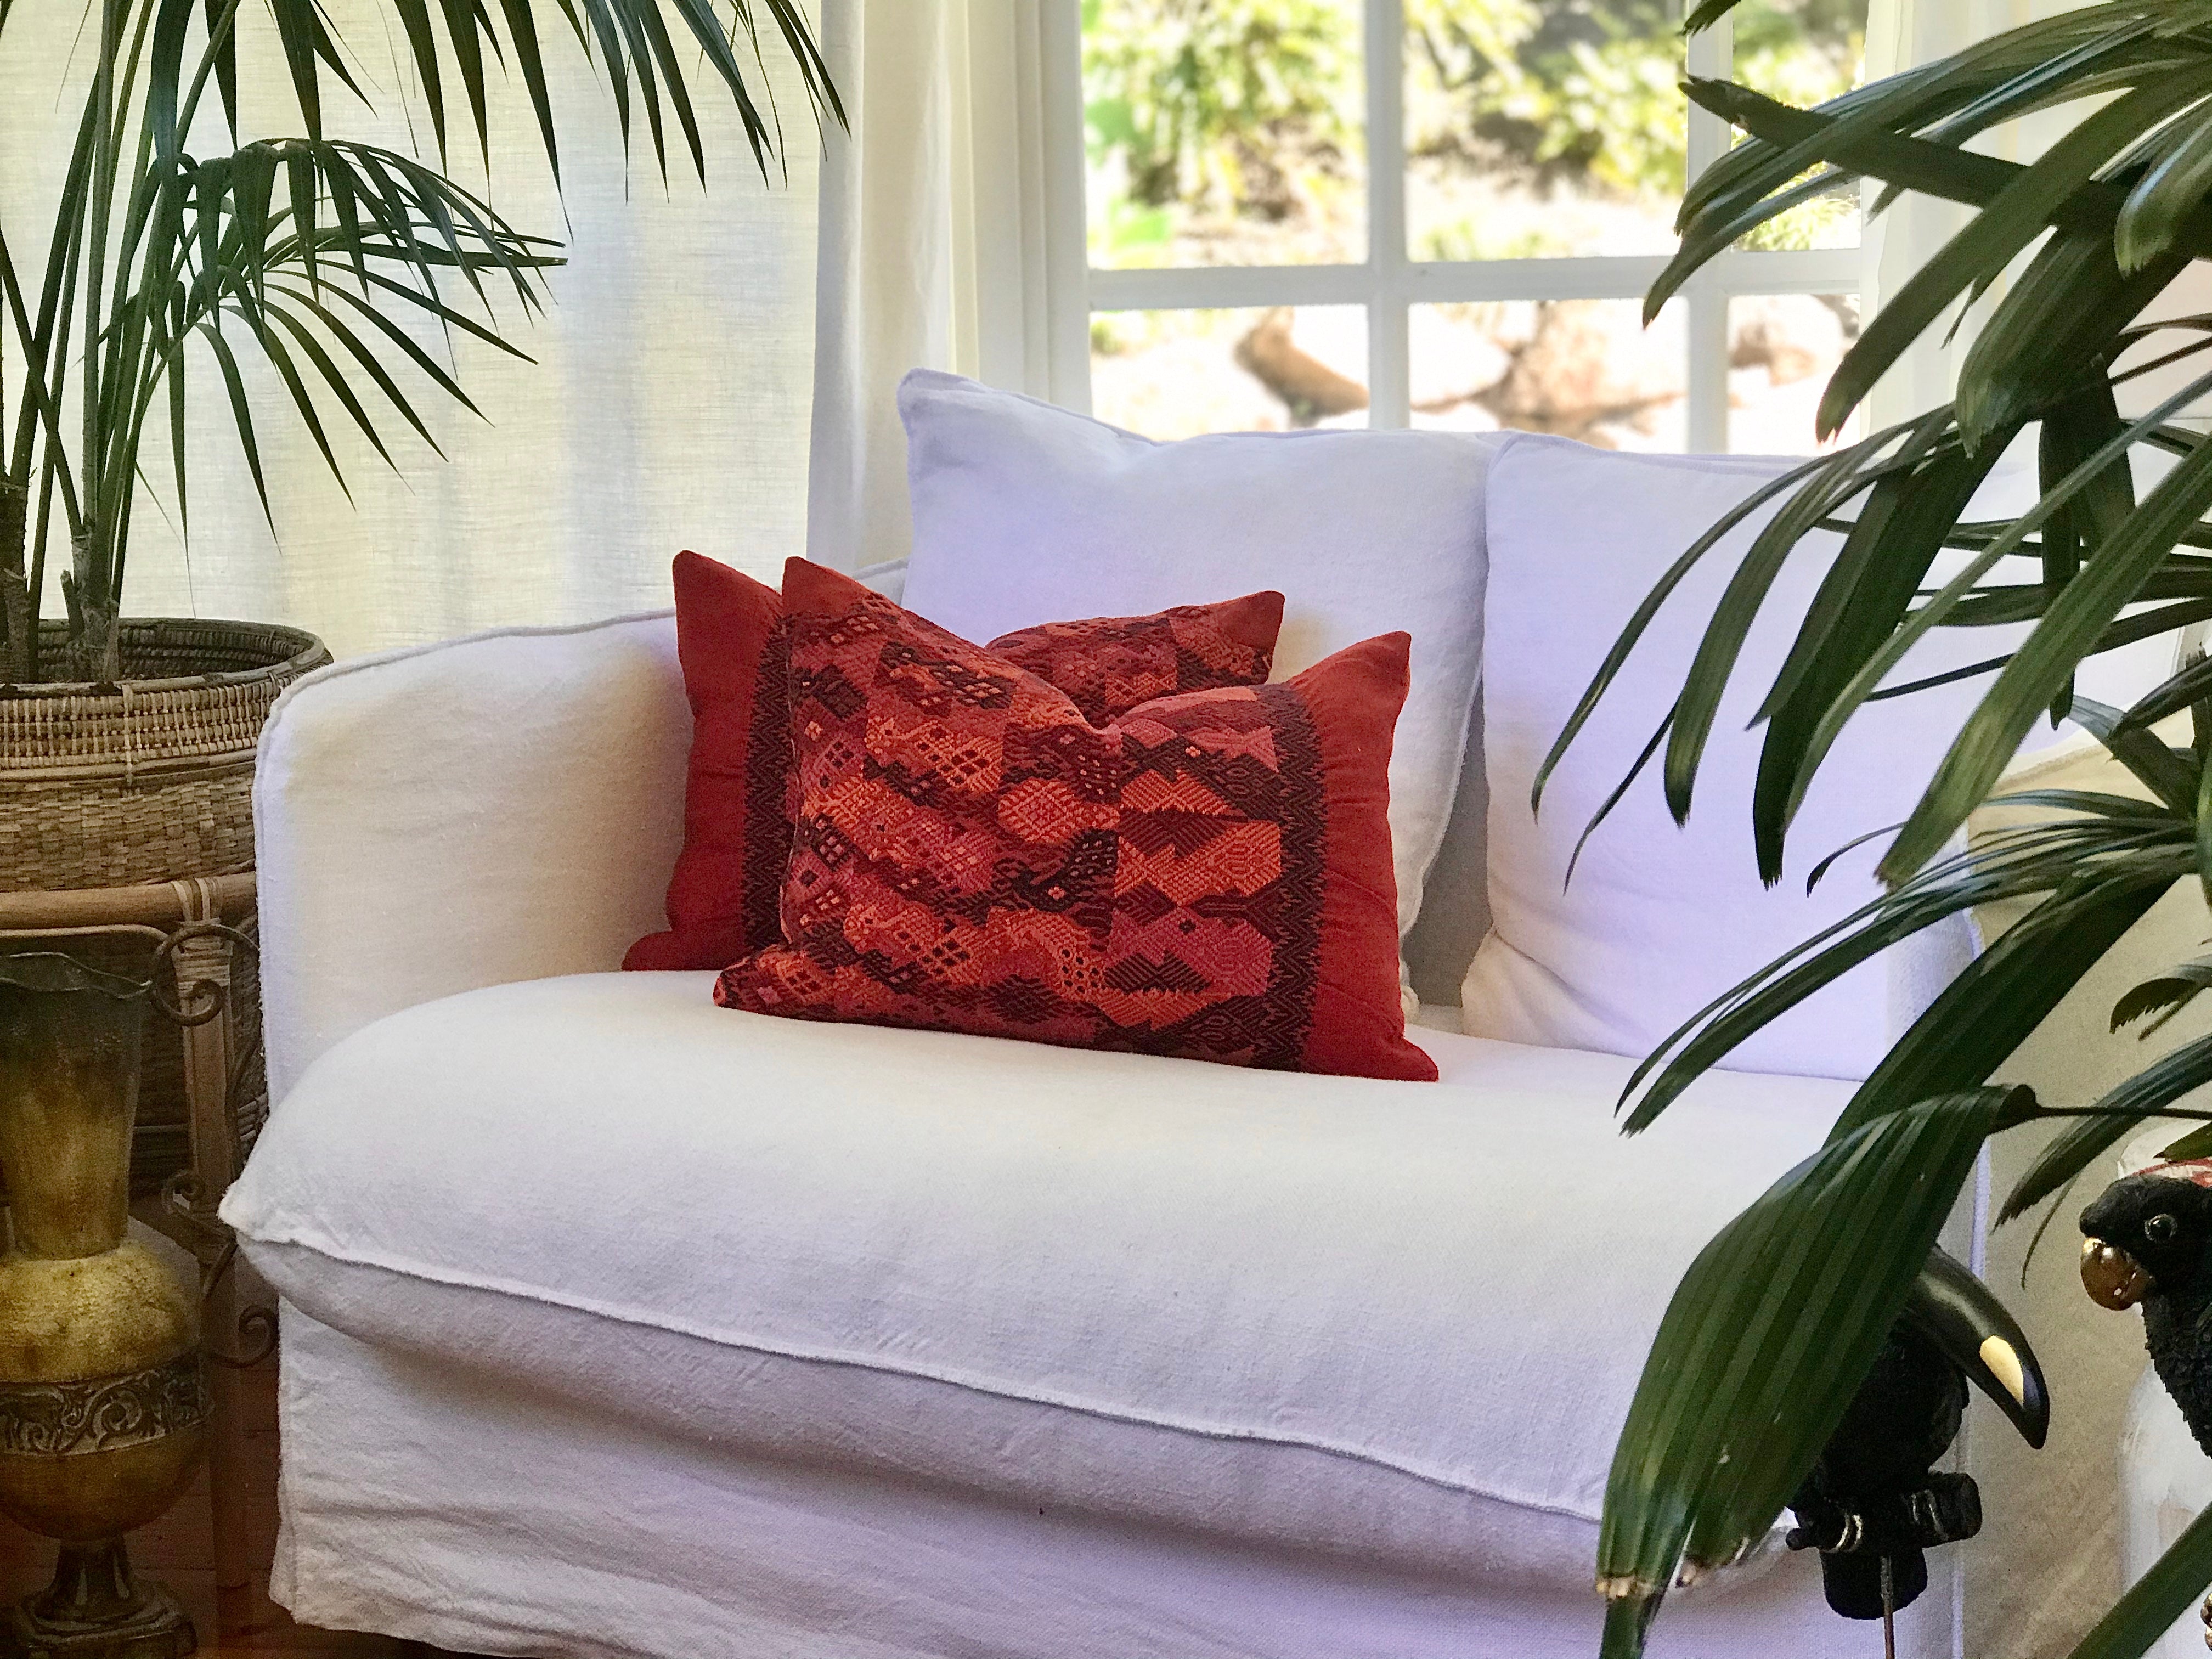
(151, 780)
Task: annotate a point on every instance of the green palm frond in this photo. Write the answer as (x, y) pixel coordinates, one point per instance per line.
(1764, 1343)
(2062, 255)
(162, 263)
(253, 243)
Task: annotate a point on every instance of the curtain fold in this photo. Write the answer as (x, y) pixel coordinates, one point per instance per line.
(1902, 35)
(944, 243)
(666, 408)
(886, 271)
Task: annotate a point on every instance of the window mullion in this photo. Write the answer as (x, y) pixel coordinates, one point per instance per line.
(1067, 252)
(1388, 283)
(1389, 372)
(1711, 56)
(1708, 415)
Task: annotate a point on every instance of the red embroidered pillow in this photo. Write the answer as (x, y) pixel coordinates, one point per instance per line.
(722, 899)
(1109, 665)
(1209, 876)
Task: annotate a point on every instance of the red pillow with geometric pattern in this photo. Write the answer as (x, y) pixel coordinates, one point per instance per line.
(1207, 876)
(737, 808)
(1109, 665)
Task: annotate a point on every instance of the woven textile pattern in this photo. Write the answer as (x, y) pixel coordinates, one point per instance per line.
(1108, 666)
(770, 787)
(741, 795)
(971, 854)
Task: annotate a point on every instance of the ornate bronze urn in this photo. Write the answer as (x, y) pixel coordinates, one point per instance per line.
(103, 1400)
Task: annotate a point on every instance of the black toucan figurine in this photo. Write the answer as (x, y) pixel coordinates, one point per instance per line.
(2149, 1240)
(1873, 1505)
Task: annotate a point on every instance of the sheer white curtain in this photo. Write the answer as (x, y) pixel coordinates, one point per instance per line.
(1901, 33)
(944, 239)
(667, 407)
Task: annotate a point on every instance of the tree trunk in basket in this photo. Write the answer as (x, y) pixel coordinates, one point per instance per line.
(19, 639)
(146, 781)
(19, 661)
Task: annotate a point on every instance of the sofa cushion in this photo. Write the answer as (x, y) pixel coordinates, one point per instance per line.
(1399, 1322)
(1206, 877)
(737, 828)
(1023, 512)
(1658, 920)
(738, 794)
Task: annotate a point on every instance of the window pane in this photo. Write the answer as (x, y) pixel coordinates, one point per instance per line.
(1583, 368)
(1177, 373)
(1225, 132)
(1801, 51)
(1804, 53)
(1782, 350)
(1542, 128)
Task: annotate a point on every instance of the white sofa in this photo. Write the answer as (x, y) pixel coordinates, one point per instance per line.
(618, 1324)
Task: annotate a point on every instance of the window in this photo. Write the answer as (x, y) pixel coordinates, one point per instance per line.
(1445, 213)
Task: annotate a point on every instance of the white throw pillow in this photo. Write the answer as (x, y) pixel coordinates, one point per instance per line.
(1023, 512)
(1659, 919)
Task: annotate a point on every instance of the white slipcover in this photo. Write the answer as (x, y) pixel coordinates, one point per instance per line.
(452, 1506)
(1391, 1327)
(621, 1325)
(1399, 1324)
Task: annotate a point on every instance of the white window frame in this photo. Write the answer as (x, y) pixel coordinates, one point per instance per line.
(1389, 283)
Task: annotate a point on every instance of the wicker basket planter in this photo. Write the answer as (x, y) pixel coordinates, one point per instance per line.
(150, 780)
(147, 781)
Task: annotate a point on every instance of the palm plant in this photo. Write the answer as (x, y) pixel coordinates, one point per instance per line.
(315, 251)
(1776, 1322)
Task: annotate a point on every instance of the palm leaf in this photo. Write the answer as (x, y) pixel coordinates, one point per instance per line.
(2169, 773)
(1764, 1343)
(2099, 877)
(1993, 733)
(2163, 211)
(2157, 1600)
(1864, 597)
(636, 54)
(1723, 643)
(1940, 609)
(2120, 1110)
(2019, 214)
(235, 253)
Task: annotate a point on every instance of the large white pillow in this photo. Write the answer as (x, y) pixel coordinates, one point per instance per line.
(1024, 512)
(1661, 919)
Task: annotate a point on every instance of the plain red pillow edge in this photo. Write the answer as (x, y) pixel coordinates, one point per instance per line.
(1358, 1022)
(713, 601)
(1254, 621)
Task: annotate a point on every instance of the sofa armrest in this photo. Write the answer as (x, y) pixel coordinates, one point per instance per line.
(504, 807)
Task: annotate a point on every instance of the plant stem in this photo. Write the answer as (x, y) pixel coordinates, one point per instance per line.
(18, 663)
(15, 626)
(2042, 1112)
(14, 592)
(92, 618)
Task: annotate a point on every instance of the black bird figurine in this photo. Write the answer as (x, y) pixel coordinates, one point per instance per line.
(1873, 1505)
(2148, 1239)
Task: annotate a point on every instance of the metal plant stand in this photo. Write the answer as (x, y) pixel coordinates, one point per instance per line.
(198, 934)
